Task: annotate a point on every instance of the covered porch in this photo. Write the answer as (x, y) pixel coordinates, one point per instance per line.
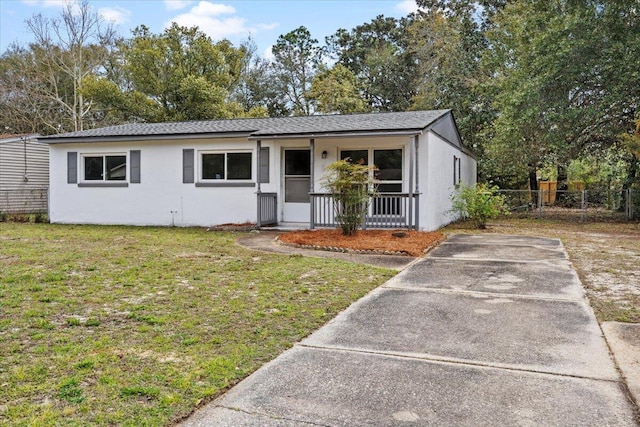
(395, 204)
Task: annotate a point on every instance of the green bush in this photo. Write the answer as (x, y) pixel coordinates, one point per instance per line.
(349, 183)
(478, 203)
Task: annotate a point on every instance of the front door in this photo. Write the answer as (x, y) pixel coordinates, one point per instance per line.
(297, 181)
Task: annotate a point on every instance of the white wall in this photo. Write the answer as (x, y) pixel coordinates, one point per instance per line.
(160, 192)
(437, 179)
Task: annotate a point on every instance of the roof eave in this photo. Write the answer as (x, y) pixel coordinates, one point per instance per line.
(350, 134)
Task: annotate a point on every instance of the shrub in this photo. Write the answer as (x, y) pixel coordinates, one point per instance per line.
(478, 203)
(349, 183)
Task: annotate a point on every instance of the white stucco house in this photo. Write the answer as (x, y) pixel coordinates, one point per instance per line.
(24, 174)
(264, 171)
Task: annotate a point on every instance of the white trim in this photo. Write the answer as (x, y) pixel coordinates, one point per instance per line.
(83, 155)
(224, 180)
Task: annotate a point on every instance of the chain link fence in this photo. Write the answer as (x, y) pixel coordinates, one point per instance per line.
(585, 205)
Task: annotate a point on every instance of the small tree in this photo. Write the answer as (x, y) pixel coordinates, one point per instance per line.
(350, 184)
(478, 203)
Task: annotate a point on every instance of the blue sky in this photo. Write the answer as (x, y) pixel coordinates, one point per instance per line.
(264, 20)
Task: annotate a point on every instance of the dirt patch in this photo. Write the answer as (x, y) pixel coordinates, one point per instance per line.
(244, 226)
(392, 242)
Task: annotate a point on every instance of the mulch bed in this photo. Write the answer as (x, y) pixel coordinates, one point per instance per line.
(392, 242)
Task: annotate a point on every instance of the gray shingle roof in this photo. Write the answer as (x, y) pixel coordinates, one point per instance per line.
(266, 127)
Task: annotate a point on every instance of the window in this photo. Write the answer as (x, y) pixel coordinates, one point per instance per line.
(388, 164)
(356, 156)
(226, 166)
(105, 167)
(388, 175)
(456, 170)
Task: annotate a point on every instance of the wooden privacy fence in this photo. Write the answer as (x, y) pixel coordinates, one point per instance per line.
(24, 201)
(385, 210)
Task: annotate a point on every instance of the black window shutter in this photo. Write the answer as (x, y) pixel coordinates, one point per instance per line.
(264, 164)
(134, 158)
(188, 169)
(72, 167)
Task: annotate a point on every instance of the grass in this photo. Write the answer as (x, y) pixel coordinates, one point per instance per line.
(138, 326)
(606, 256)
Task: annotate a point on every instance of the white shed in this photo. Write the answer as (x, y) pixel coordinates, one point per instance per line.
(263, 171)
(24, 174)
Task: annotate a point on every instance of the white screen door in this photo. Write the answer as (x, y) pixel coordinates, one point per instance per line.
(297, 180)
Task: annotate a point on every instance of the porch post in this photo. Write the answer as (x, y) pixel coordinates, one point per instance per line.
(312, 144)
(411, 160)
(416, 140)
(258, 192)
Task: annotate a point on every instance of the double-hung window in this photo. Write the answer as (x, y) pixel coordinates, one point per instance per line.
(104, 167)
(388, 174)
(225, 166)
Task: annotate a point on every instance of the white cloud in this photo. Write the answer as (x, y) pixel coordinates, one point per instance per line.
(407, 6)
(206, 16)
(117, 15)
(211, 9)
(268, 54)
(176, 4)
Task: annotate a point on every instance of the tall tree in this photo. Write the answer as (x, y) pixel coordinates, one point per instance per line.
(50, 75)
(297, 57)
(449, 74)
(21, 111)
(182, 74)
(255, 91)
(336, 90)
(632, 140)
(449, 40)
(376, 52)
(565, 76)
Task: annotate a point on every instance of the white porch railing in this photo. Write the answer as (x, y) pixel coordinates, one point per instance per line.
(267, 209)
(386, 210)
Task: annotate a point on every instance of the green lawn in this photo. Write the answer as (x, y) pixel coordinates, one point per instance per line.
(137, 326)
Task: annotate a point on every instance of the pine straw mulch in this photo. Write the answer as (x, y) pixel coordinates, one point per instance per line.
(389, 242)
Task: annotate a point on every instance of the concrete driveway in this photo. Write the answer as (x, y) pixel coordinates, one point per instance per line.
(487, 330)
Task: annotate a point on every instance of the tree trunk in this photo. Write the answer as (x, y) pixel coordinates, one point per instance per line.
(632, 172)
(562, 184)
(533, 185)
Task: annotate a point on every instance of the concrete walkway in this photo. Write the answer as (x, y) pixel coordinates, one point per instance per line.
(488, 330)
(266, 241)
